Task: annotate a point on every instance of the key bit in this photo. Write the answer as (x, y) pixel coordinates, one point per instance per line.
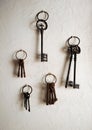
(44, 57)
(71, 84)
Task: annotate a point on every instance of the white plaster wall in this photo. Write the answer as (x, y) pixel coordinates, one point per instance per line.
(73, 110)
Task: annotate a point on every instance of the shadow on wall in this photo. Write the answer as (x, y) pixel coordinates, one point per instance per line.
(14, 63)
(42, 93)
(20, 99)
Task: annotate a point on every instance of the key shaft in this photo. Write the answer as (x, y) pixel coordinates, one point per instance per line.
(41, 41)
(74, 85)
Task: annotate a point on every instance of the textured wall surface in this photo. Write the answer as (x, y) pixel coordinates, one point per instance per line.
(73, 110)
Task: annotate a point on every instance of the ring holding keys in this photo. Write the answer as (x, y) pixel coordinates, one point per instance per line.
(41, 24)
(74, 38)
(42, 15)
(28, 87)
(19, 53)
(52, 76)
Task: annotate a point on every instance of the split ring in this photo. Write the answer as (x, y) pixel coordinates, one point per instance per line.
(50, 74)
(45, 15)
(75, 37)
(41, 24)
(22, 51)
(27, 86)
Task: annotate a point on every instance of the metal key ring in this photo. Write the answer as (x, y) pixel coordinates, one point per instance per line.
(75, 37)
(19, 52)
(41, 24)
(50, 74)
(46, 15)
(26, 87)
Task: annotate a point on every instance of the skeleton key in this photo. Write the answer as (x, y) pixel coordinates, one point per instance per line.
(73, 50)
(51, 95)
(76, 51)
(26, 95)
(41, 26)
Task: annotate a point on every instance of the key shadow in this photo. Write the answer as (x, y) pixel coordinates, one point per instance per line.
(14, 63)
(64, 50)
(32, 25)
(42, 93)
(20, 100)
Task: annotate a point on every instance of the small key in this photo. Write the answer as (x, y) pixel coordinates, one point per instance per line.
(51, 95)
(53, 91)
(54, 95)
(26, 101)
(21, 69)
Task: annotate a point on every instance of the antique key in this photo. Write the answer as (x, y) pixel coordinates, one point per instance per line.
(42, 25)
(73, 50)
(51, 94)
(26, 95)
(21, 55)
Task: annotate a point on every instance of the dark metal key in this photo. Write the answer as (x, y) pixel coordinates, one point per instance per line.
(73, 50)
(71, 55)
(42, 25)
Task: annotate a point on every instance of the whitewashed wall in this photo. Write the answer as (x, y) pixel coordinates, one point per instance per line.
(73, 110)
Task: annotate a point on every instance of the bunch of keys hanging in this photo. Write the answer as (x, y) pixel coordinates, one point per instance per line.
(50, 80)
(26, 91)
(42, 25)
(73, 50)
(21, 55)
